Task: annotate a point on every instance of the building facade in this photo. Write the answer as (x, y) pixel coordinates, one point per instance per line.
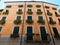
(30, 23)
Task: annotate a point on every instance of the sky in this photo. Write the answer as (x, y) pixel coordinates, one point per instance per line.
(2, 5)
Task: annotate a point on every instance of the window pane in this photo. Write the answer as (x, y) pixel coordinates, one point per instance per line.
(29, 17)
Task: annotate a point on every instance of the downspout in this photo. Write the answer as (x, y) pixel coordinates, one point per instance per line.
(23, 25)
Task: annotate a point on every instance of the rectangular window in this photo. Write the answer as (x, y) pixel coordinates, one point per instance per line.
(43, 33)
(0, 29)
(29, 33)
(43, 30)
(56, 34)
(8, 6)
(29, 5)
(16, 30)
(29, 17)
(20, 5)
(18, 17)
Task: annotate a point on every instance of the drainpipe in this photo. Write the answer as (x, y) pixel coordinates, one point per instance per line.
(48, 25)
(23, 25)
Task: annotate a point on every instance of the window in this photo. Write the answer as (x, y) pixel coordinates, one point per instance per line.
(19, 11)
(20, 5)
(15, 32)
(39, 11)
(54, 8)
(29, 5)
(43, 33)
(2, 21)
(49, 13)
(51, 21)
(18, 20)
(6, 12)
(29, 19)
(29, 33)
(43, 30)
(46, 6)
(38, 6)
(29, 11)
(8, 6)
(40, 19)
(0, 29)
(56, 34)
(57, 14)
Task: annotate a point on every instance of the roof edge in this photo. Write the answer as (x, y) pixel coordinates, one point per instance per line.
(30, 1)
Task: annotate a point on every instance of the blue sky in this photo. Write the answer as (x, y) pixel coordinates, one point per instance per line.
(2, 5)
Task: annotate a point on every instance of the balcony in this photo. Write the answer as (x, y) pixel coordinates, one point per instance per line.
(39, 11)
(41, 21)
(29, 21)
(19, 11)
(6, 12)
(17, 21)
(52, 22)
(2, 22)
(50, 14)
